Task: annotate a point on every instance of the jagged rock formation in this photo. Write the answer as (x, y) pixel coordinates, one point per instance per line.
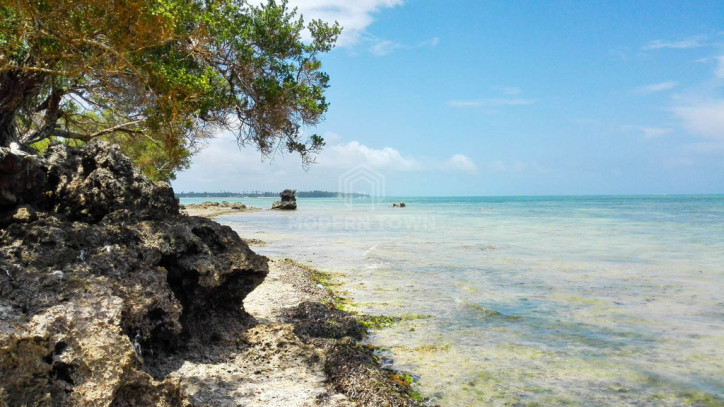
(288, 202)
(100, 277)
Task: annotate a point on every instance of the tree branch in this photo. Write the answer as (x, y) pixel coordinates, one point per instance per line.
(70, 135)
(51, 105)
(119, 127)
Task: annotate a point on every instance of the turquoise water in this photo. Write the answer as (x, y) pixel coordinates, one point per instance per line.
(531, 300)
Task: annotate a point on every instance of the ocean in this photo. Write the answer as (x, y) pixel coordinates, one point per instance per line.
(593, 300)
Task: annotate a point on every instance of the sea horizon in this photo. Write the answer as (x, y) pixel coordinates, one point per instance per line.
(398, 196)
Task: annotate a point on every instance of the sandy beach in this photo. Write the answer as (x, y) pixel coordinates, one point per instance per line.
(211, 210)
(273, 366)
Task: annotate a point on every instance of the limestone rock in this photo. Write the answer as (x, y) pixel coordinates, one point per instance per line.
(82, 183)
(222, 205)
(100, 277)
(288, 202)
(291, 205)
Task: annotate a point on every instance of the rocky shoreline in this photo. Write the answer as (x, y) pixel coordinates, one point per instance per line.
(110, 296)
(211, 210)
(302, 351)
(306, 346)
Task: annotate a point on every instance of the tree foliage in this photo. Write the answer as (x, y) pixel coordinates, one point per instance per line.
(160, 76)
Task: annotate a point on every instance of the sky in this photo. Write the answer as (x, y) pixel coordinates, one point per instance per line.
(483, 98)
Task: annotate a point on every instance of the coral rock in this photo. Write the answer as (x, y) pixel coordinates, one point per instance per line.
(100, 277)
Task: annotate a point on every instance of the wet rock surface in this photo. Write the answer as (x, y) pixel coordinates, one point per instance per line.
(288, 200)
(102, 280)
(346, 372)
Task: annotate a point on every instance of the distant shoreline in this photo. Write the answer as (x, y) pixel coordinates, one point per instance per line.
(267, 194)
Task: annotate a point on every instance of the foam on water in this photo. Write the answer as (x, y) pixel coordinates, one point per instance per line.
(582, 300)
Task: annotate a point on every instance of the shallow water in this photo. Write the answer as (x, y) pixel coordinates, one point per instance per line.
(531, 300)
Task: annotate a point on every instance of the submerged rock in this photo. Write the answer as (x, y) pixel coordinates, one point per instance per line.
(100, 277)
(288, 202)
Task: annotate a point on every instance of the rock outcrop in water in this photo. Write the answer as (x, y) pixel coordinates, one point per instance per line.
(236, 206)
(100, 277)
(288, 202)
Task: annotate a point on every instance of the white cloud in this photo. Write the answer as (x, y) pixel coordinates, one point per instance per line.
(493, 102)
(223, 166)
(352, 154)
(694, 42)
(509, 90)
(719, 73)
(432, 42)
(704, 118)
(649, 132)
(620, 53)
(354, 15)
(385, 47)
(460, 162)
(382, 48)
(654, 132)
(332, 138)
(656, 87)
(464, 103)
(700, 111)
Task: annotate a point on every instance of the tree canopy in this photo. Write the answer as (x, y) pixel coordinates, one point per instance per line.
(160, 76)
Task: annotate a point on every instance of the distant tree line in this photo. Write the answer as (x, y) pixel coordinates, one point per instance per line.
(267, 194)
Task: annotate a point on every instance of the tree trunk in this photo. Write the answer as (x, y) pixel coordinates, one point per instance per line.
(8, 132)
(16, 88)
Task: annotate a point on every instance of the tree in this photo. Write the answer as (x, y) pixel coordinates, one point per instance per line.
(160, 76)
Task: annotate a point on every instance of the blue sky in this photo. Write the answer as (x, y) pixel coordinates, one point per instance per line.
(507, 98)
